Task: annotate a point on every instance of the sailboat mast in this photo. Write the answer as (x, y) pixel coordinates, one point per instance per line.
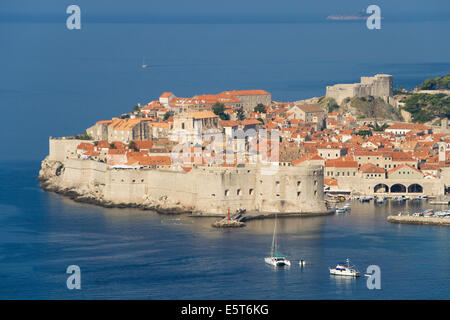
(274, 239)
(272, 252)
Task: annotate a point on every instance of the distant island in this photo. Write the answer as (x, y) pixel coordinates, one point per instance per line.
(362, 15)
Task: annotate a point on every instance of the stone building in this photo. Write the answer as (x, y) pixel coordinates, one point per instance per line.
(313, 113)
(123, 130)
(250, 98)
(379, 86)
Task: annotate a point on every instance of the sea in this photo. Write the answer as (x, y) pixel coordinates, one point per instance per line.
(58, 82)
(136, 254)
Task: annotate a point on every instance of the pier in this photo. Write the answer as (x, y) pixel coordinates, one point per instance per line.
(419, 220)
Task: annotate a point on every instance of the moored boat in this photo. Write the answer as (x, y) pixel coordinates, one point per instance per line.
(276, 259)
(343, 269)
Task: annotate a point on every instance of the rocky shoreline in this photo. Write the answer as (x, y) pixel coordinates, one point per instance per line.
(78, 197)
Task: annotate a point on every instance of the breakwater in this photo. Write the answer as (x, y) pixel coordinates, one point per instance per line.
(419, 220)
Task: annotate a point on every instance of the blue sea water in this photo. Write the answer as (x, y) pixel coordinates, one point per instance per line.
(133, 254)
(56, 82)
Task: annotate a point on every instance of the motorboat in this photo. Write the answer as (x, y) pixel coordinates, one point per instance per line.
(343, 269)
(442, 214)
(339, 210)
(379, 200)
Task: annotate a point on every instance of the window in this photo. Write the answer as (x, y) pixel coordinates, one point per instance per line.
(250, 192)
(238, 192)
(227, 192)
(298, 182)
(298, 194)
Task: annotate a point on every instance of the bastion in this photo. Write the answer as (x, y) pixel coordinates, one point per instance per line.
(205, 189)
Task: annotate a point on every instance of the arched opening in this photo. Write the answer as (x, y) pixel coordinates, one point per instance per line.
(416, 188)
(381, 188)
(398, 188)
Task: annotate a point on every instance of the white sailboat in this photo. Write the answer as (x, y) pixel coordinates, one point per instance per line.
(275, 258)
(144, 65)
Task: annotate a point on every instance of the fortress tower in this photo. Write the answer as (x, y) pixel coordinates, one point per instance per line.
(379, 86)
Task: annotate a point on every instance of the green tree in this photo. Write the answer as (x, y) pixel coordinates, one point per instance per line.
(436, 83)
(364, 133)
(136, 108)
(219, 109)
(260, 108)
(84, 136)
(132, 145)
(241, 114)
(112, 146)
(167, 115)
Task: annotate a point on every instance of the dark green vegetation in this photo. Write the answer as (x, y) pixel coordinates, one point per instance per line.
(260, 108)
(436, 83)
(240, 113)
(424, 107)
(364, 133)
(83, 136)
(132, 145)
(377, 127)
(219, 109)
(167, 115)
(329, 104)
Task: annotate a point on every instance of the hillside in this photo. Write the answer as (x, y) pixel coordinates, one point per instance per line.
(425, 107)
(363, 107)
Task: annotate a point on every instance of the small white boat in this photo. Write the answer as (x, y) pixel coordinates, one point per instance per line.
(347, 207)
(275, 258)
(339, 210)
(342, 269)
(143, 65)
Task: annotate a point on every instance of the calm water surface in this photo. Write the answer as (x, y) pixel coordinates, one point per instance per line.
(125, 253)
